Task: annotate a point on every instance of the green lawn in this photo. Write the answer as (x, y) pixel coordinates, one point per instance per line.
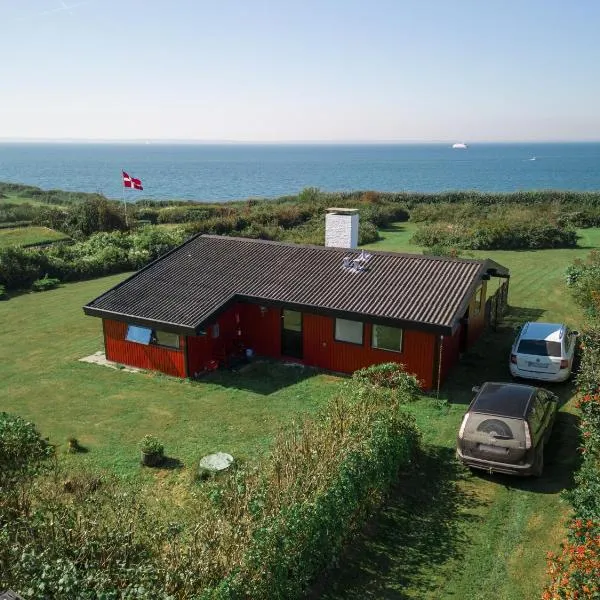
(44, 335)
(27, 236)
(445, 534)
(14, 199)
(449, 534)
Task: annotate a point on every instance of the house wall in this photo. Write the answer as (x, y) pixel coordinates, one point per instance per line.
(322, 350)
(249, 326)
(261, 331)
(155, 358)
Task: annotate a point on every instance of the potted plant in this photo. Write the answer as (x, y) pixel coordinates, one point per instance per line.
(152, 451)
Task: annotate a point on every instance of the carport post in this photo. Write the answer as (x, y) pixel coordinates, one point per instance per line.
(439, 375)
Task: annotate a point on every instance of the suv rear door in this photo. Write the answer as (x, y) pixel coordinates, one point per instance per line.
(494, 437)
(538, 356)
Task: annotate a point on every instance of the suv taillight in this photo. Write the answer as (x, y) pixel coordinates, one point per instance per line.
(461, 431)
(527, 436)
(564, 363)
(513, 359)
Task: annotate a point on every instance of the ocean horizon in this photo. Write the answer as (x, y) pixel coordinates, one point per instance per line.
(237, 171)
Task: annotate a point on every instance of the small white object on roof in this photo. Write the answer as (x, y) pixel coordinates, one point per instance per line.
(216, 462)
(460, 146)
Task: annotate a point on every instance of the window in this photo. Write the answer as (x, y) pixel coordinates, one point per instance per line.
(387, 338)
(478, 300)
(539, 348)
(140, 335)
(166, 338)
(215, 330)
(147, 336)
(349, 331)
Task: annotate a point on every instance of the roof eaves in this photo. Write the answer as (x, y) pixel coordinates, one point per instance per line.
(135, 320)
(345, 314)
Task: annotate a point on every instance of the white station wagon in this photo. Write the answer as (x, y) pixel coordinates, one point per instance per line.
(543, 351)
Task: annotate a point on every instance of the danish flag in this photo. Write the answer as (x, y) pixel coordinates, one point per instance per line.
(132, 182)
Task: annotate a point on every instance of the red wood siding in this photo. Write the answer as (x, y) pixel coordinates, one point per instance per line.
(450, 353)
(156, 358)
(198, 353)
(322, 350)
(261, 329)
(476, 321)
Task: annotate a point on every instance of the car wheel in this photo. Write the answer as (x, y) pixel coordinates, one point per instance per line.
(538, 466)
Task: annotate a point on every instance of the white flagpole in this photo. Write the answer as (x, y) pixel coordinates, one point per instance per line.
(124, 203)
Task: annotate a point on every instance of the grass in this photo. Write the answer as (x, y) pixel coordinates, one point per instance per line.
(447, 533)
(14, 200)
(109, 411)
(29, 236)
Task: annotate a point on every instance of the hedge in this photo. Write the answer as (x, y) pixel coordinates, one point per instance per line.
(258, 533)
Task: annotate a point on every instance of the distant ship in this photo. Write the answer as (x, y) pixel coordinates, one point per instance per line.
(532, 158)
(460, 146)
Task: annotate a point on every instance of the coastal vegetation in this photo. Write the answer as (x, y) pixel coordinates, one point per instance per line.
(574, 571)
(99, 507)
(423, 545)
(98, 236)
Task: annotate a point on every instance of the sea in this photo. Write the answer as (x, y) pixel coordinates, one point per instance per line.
(227, 171)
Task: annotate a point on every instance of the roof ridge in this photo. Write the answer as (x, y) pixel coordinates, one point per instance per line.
(339, 250)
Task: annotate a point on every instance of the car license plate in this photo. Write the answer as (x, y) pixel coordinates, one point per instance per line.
(493, 449)
(538, 365)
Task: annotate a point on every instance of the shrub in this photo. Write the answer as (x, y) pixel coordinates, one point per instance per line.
(22, 449)
(20, 267)
(2, 292)
(46, 283)
(151, 445)
(575, 572)
(583, 280)
(392, 376)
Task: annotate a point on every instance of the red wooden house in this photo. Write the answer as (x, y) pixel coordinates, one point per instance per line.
(333, 308)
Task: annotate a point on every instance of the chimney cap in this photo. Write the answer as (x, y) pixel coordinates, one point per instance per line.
(343, 211)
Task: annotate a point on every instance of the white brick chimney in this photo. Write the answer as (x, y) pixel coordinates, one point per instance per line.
(341, 227)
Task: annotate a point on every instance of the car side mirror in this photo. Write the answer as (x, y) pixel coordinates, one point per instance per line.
(475, 389)
(554, 398)
(575, 333)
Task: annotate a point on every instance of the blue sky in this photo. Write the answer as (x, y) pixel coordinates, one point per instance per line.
(330, 70)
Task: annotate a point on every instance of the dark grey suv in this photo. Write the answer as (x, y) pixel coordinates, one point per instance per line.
(506, 428)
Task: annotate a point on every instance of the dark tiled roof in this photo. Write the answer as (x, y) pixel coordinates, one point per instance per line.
(187, 287)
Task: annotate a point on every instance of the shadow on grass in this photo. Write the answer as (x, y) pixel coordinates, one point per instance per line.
(262, 377)
(421, 526)
(561, 457)
(170, 463)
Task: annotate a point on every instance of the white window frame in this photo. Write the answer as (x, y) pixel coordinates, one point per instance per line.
(338, 335)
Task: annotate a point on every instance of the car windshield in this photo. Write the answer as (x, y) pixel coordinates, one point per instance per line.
(539, 348)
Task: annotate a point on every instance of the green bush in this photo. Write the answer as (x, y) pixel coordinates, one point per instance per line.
(151, 445)
(392, 376)
(256, 533)
(496, 235)
(22, 449)
(20, 267)
(46, 283)
(2, 292)
(583, 280)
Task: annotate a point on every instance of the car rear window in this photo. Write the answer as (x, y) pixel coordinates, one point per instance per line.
(539, 348)
(481, 427)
